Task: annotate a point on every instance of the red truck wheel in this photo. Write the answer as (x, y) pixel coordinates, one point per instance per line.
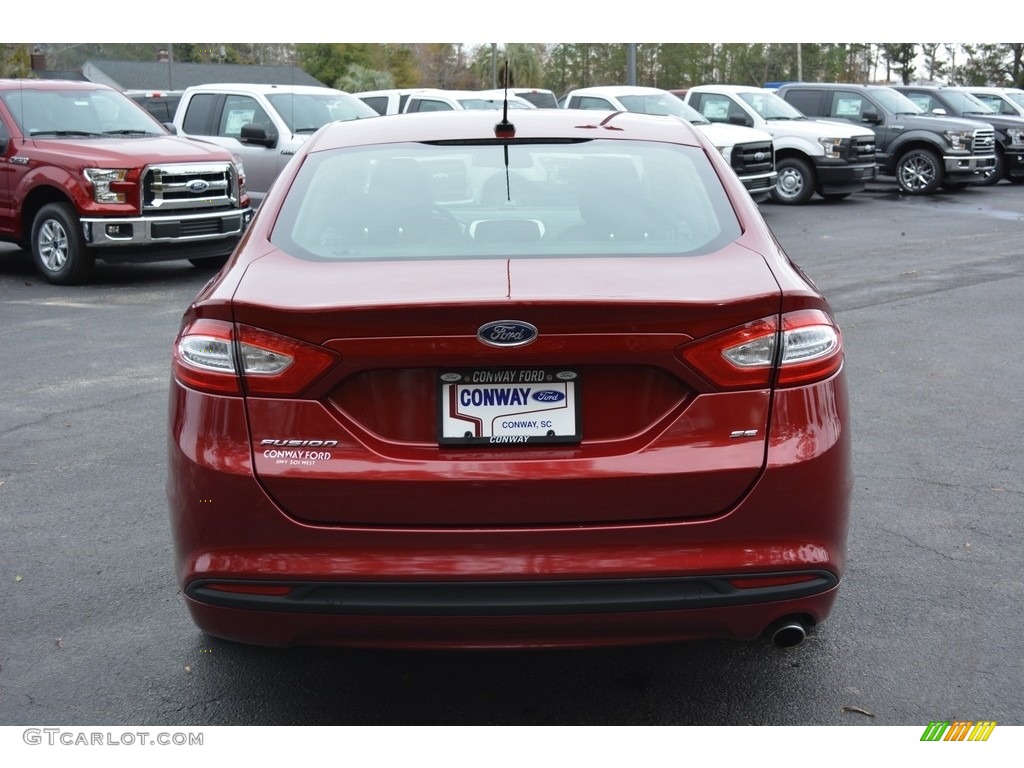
(57, 245)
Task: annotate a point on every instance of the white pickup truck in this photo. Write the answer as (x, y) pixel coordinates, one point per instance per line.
(748, 151)
(399, 101)
(827, 157)
(262, 125)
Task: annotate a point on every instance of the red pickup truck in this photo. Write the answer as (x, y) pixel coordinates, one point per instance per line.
(86, 173)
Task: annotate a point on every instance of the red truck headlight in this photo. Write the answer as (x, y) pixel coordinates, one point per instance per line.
(105, 183)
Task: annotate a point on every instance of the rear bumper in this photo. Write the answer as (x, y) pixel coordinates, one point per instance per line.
(508, 598)
(577, 630)
(778, 552)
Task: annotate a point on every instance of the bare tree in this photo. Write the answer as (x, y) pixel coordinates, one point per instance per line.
(933, 66)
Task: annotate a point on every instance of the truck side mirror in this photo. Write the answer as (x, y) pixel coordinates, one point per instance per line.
(254, 133)
(871, 117)
(171, 127)
(743, 120)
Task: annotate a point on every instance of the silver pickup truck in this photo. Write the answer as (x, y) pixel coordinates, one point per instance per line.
(263, 125)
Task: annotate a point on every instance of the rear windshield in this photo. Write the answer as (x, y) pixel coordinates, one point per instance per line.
(417, 201)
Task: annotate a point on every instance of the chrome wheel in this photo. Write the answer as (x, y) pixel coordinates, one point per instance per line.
(918, 172)
(58, 247)
(52, 242)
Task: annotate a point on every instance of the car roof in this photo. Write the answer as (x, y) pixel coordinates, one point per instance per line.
(515, 90)
(28, 84)
(263, 88)
(729, 88)
(619, 90)
(472, 124)
(987, 89)
(859, 86)
(396, 91)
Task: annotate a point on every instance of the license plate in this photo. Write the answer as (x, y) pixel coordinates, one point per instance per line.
(508, 406)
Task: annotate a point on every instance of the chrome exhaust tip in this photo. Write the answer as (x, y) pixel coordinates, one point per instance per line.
(788, 634)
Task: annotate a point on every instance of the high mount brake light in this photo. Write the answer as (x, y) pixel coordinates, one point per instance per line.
(214, 356)
(745, 357)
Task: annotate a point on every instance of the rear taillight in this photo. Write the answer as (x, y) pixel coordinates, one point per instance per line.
(215, 355)
(745, 357)
(812, 348)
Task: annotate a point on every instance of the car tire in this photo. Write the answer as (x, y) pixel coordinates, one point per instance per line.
(58, 248)
(795, 185)
(919, 172)
(992, 177)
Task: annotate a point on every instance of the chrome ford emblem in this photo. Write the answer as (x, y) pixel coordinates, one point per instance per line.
(197, 186)
(759, 156)
(507, 333)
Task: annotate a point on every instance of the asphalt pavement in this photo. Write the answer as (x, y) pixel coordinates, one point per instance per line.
(928, 625)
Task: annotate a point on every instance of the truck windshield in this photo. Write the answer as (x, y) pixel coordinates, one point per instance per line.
(79, 113)
(964, 103)
(308, 112)
(895, 102)
(662, 104)
(1016, 97)
(771, 107)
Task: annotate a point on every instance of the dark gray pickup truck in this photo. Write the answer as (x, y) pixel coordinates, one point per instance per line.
(923, 151)
(958, 102)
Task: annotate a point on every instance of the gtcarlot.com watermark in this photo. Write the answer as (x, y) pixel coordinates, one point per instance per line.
(71, 738)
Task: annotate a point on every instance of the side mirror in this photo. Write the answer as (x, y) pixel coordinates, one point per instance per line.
(743, 120)
(171, 128)
(938, 111)
(871, 117)
(253, 133)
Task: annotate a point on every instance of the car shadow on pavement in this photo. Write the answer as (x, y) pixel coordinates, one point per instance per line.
(638, 685)
(16, 264)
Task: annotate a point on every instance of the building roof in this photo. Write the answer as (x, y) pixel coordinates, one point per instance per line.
(174, 76)
(58, 74)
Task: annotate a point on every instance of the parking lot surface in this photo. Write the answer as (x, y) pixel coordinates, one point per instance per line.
(928, 624)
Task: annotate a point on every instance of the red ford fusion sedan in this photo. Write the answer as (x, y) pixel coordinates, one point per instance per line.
(477, 382)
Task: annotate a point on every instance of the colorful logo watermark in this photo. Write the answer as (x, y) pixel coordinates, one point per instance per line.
(958, 730)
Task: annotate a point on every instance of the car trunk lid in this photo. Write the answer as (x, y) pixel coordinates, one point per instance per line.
(359, 446)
